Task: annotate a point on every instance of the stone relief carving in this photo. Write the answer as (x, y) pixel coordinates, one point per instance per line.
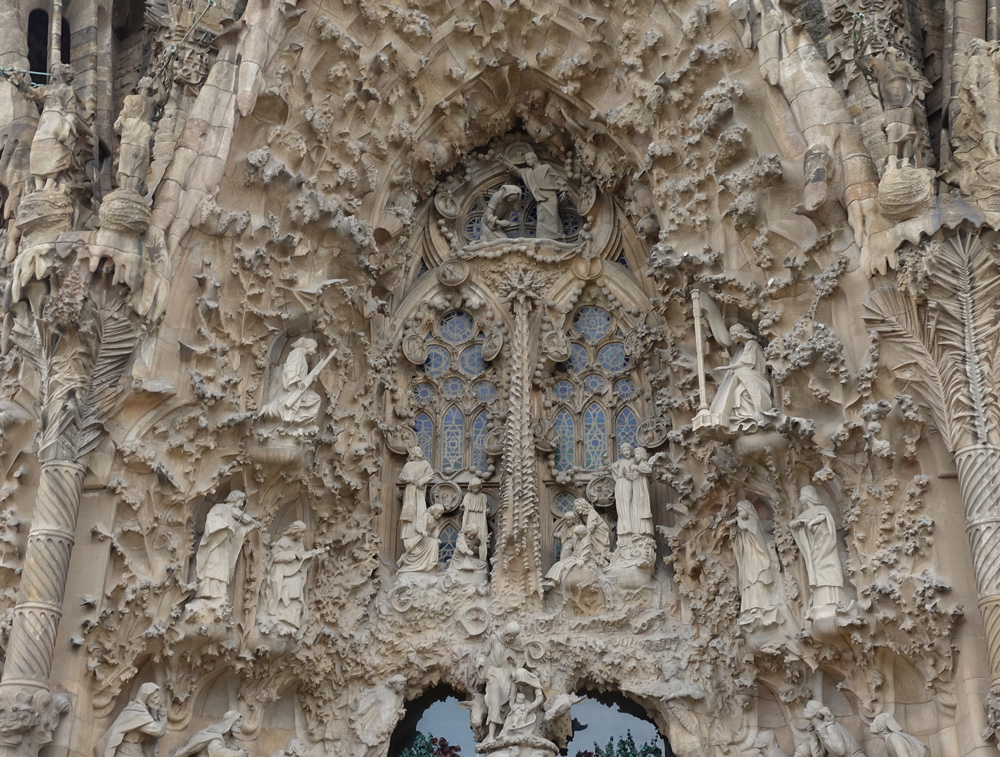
(815, 534)
(759, 601)
(283, 598)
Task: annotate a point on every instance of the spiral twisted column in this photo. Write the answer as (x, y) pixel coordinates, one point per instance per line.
(28, 712)
(979, 481)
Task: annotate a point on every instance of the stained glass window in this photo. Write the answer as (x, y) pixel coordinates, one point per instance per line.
(578, 360)
(593, 323)
(437, 362)
(562, 390)
(456, 327)
(612, 357)
(471, 360)
(594, 384)
(565, 430)
(452, 431)
(423, 393)
(625, 389)
(446, 547)
(595, 437)
(626, 427)
(479, 460)
(453, 388)
(425, 432)
(484, 391)
(563, 502)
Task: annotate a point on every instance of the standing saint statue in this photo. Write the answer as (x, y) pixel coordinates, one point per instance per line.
(53, 150)
(545, 186)
(631, 472)
(815, 533)
(416, 475)
(135, 125)
(502, 664)
(474, 511)
(283, 600)
(295, 403)
(226, 530)
(745, 391)
(138, 727)
(755, 562)
(217, 740)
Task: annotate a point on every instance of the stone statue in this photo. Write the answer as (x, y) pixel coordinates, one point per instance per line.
(815, 534)
(976, 129)
(226, 530)
(631, 472)
(756, 564)
(283, 599)
(833, 739)
(217, 740)
(597, 543)
(422, 546)
(295, 403)
(465, 564)
(138, 727)
(897, 742)
(377, 712)
(545, 186)
(135, 126)
(53, 150)
(900, 88)
(572, 537)
(495, 217)
(745, 391)
(474, 511)
(417, 474)
(767, 746)
(502, 664)
(523, 717)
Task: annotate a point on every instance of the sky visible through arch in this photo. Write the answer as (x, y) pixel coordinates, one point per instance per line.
(448, 720)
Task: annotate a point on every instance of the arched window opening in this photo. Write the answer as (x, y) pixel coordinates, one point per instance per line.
(38, 45)
(435, 714)
(609, 719)
(64, 42)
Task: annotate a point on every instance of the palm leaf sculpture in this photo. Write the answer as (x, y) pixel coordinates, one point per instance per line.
(949, 359)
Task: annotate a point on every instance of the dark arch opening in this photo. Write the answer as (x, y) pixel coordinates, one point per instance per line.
(610, 715)
(38, 38)
(435, 713)
(38, 44)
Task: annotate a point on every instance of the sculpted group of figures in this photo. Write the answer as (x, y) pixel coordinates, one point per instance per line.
(228, 528)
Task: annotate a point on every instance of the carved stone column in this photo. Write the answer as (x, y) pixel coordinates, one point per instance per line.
(520, 576)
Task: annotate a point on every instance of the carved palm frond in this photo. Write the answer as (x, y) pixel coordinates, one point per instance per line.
(963, 289)
(893, 316)
(118, 340)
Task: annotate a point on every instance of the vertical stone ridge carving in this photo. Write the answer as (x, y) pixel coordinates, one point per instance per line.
(518, 487)
(950, 360)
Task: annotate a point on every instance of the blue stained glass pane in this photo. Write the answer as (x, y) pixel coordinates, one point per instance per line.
(452, 431)
(446, 547)
(479, 460)
(530, 220)
(612, 357)
(563, 502)
(562, 390)
(471, 360)
(592, 323)
(453, 388)
(577, 359)
(570, 223)
(456, 327)
(625, 389)
(437, 361)
(564, 426)
(423, 393)
(626, 427)
(595, 437)
(474, 227)
(484, 391)
(425, 432)
(594, 384)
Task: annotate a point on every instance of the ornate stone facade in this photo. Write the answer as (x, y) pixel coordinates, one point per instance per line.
(532, 349)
